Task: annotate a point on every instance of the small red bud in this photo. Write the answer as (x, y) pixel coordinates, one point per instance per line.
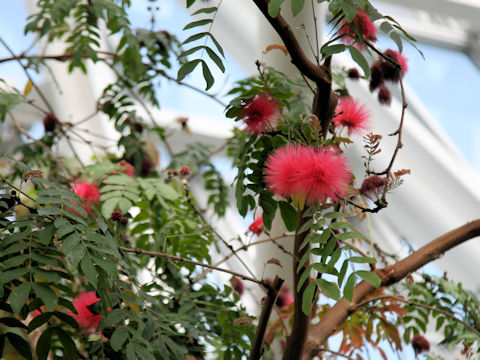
(124, 220)
(116, 216)
(184, 170)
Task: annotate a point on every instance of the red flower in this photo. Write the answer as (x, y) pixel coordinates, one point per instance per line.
(260, 113)
(420, 344)
(365, 25)
(85, 318)
(351, 114)
(256, 226)
(306, 172)
(129, 169)
(88, 192)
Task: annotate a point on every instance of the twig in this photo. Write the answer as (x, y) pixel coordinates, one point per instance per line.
(398, 131)
(139, 251)
(336, 353)
(245, 247)
(38, 142)
(272, 294)
(40, 93)
(215, 232)
(424, 306)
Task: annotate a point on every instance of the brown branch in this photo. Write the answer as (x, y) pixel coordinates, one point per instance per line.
(272, 294)
(336, 315)
(139, 251)
(301, 321)
(424, 306)
(299, 59)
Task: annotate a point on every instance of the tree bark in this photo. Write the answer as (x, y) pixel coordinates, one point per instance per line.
(301, 322)
(335, 316)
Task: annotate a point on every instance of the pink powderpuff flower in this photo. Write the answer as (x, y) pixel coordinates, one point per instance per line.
(129, 169)
(352, 115)
(366, 26)
(256, 226)
(260, 113)
(306, 172)
(85, 318)
(88, 192)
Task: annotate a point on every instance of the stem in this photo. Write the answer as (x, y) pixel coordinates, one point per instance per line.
(272, 294)
(301, 321)
(139, 251)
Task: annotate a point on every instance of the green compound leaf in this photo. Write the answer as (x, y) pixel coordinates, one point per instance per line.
(18, 297)
(328, 288)
(370, 277)
(358, 57)
(307, 298)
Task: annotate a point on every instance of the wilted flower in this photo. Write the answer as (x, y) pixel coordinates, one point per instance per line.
(384, 95)
(372, 187)
(237, 285)
(129, 169)
(260, 113)
(420, 344)
(390, 72)
(50, 123)
(353, 73)
(307, 173)
(376, 76)
(85, 318)
(256, 226)
(366, 27)
(88, 192)
(351, 114)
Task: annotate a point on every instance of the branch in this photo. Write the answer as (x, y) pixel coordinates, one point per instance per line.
(272, 294)
(299, 59)
(424, 306)
(188, 261)
(336, 315)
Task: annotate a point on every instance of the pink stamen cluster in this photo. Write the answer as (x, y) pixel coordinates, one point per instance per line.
(352, 115)
(364, 24)
(87, 191)
(260, 113)
(308, 172)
